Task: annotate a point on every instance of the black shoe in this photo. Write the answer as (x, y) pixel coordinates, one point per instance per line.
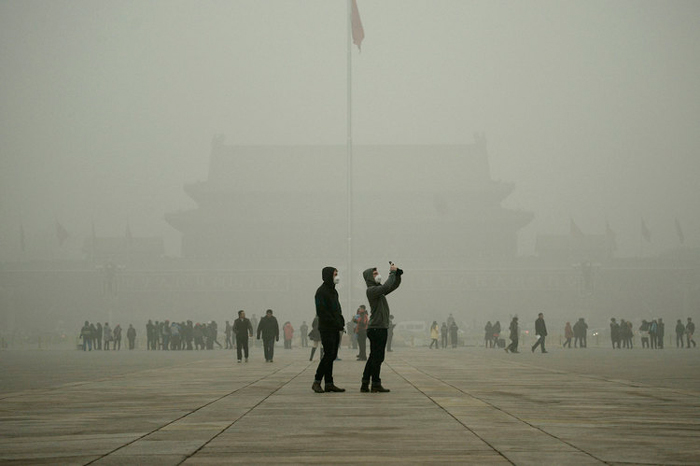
(333, 388)
(317, 387)
(545, 351)
(365, 387)
(379, 389)
(533, 349)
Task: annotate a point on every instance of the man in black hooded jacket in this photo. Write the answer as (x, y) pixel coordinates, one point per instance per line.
(330, 323)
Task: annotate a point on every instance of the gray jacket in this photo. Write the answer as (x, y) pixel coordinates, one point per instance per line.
(376, 295)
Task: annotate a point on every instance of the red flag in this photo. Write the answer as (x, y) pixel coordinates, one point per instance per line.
(358, 33)
(646, 234)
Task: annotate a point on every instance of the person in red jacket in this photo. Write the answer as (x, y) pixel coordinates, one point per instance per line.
(288, 335)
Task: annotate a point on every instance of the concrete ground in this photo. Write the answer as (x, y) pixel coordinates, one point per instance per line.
(466, 406)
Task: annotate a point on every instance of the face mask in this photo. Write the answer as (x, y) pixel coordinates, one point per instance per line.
(336, 279)
(378, 278)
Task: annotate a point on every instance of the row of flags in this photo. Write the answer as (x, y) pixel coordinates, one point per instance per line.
(62, 235)
(645, 232)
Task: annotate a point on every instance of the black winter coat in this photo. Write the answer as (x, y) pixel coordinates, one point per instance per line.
(330, 315)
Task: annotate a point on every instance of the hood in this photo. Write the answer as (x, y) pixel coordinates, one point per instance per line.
(368, 275)
(327, 275)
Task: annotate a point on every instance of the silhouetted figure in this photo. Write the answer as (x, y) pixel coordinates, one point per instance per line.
(243, 330)
(107, 335)
(653, 333)
(390, 333)
(86, 335)
(660, 332)
(270, 331)
(644, 332)
(680, 331)
(488, 335)
(580, 332)
(443, 335)
(514, 336)
(131, 336)
(615, 333)
(454, 334)
(540, 333)
(496, 333)
(330, 324)
(434, 335)
(150, 336)
(98, 335)
(117, 338)
(228, 330)
(303, 333)
(568, 334)
(690, 331)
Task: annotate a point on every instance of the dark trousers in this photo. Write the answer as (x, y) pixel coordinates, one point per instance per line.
(679, 340)
(689, 340)
(330, 341)
(132, 341)
(377, 347)
(269, 348)
(540, 343)
(362, 343)
(242, 346)
(567, 343)
(513, 346)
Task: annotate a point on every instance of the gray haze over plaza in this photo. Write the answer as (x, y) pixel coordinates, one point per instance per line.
(176, 162)
(544, 133)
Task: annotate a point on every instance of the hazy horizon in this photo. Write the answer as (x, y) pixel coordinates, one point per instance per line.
(109, 108)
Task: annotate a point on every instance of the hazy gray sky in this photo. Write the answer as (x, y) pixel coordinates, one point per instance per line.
(591, 108)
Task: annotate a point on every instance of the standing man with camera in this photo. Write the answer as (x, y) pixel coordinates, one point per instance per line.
(330, 324)
(379, 323)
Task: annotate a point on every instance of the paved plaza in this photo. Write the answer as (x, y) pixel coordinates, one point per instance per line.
(464, 406)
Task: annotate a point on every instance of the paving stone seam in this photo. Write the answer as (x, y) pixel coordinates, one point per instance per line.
(188, 414)
(447, 412)
(248, 411)
(627, 383)
(502, 411)
(64, 386)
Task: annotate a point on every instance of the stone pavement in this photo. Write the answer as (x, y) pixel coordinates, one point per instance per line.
(466, 406)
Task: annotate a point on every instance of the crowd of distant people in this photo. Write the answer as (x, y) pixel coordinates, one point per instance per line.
(188, 335)
(652, 333)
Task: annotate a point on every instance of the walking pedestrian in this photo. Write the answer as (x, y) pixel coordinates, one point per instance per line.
(434, 335)
(514, 336)
(270, 331)
(568, 334)
(243, 330)
(540, 333)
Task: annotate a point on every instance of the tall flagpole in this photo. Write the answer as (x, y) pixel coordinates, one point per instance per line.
(349, 157)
